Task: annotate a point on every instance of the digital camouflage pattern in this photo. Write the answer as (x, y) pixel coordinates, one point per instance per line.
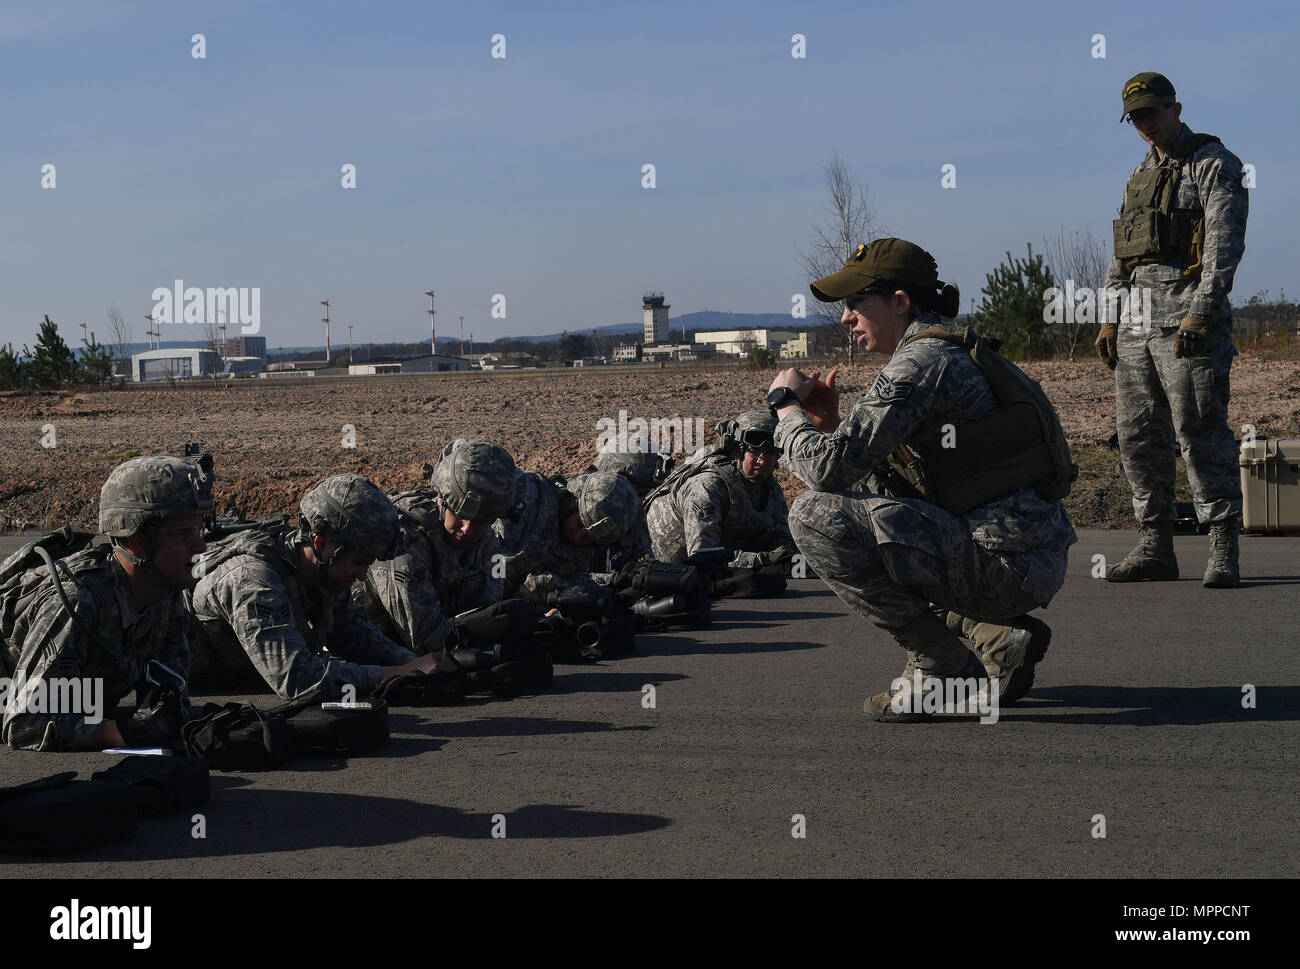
(47, 643)
(538, 561)
(644, 469)
(252, 611)
(608, 505)
(630, 546)
(350, 510)
(1159, 395)
(889, 556)
(475, 479)
(145, 490)
(413, 597)
(720, 508)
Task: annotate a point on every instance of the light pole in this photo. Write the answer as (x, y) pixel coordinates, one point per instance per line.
(433, 329)
(326, 320)
(462, 336)
(349, 346)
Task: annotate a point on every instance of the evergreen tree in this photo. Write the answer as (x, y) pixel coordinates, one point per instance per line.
(12, 368)
(96, 363)
(1012, 310)
(52, 363)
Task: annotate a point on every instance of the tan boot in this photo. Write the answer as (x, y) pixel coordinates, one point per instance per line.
(1009, 649)
(1222, 572)
(934, 651)
(1153, 560)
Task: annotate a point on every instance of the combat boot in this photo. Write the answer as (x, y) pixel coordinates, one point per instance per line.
(1153, 560)
(1222, 571)
(933, 651)
(1009, 650)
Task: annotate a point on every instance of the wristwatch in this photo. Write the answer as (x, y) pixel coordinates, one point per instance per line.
(781, 397)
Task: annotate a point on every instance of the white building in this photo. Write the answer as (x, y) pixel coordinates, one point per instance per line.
(656, 317)
(738, 342)
(173, 363)
(372, 369)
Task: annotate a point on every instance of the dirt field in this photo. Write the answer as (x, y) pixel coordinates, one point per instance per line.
(274, 439)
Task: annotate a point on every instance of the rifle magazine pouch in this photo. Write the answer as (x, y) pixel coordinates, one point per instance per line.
(237, 736)
(351, 728)
(161, 785)
(61, 814)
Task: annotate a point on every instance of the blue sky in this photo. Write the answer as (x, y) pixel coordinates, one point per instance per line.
(522, 176)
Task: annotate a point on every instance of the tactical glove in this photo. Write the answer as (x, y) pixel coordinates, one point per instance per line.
(1108, 344)
(1190, 341)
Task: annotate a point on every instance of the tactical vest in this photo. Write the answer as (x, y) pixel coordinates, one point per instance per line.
(1150, 228)
(1021, 445)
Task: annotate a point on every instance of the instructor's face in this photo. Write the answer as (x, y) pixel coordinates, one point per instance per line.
(876, 320)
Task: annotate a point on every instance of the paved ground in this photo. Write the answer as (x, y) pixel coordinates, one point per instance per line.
(1137, 716)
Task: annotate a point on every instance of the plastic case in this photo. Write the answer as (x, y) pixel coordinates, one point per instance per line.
(1270, 485)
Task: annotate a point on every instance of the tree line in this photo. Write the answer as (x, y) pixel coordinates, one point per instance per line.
(53, 363)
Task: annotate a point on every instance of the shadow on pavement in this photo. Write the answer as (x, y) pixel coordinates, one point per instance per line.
(1150, 706)
(524, 727)
(612, 682)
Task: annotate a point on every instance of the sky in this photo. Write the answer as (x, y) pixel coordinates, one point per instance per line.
(523, 176)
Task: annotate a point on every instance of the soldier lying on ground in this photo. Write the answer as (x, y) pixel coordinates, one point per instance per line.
(277, 601)
(445, 566)
(644, 470)
(726, 498)
(115, 621)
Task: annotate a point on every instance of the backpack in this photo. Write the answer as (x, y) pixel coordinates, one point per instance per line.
(24, 572)
(1021, 445)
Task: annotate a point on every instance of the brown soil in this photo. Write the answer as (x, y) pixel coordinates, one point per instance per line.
(274, 439)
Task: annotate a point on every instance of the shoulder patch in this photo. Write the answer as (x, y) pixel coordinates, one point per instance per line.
(888, 391)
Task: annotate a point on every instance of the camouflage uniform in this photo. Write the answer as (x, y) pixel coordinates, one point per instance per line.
(253, 609)
(48, 643)
(890, 557)
(645, 470)
(413, 596)
(538, 561)
(721, 508)
(1160, 395)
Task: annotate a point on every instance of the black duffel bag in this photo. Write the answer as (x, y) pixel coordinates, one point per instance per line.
(161, 785)
(59, 813)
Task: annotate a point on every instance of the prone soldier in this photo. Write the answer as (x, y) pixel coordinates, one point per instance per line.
(117, 617)
(278, 603)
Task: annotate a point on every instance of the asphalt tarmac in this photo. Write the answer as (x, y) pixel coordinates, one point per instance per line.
(1138, 715)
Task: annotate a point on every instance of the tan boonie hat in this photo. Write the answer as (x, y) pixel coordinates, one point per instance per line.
(1146, 90)
(884, 261)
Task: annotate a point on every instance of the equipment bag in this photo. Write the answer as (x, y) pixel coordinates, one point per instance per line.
(58, 813)
(27, 569)
(336, 727)
(161, 785)
(436, 689)
(237, 736)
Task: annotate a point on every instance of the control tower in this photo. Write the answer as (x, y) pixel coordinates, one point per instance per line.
(656, 317)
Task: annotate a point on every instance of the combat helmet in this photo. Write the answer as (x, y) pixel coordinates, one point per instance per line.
(608, 505)
(475, 479)
(644, 469)
(754, 428)
(144, 491)
(349, 510)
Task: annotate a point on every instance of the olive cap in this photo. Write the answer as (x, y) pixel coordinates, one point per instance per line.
(1146, 90)
(884, 261)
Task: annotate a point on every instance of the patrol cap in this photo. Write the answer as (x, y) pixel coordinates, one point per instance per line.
(349, 509)
(608, 505)
(475, 479)
(884, 261)
(146, 490)
(1146, 90)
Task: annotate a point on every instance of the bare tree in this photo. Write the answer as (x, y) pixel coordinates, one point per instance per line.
(120, 334)
(213, 334)
(850, 219)
(1078, 262)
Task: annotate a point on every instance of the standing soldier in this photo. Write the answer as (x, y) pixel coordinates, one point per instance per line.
(1180, 235)
(116, 613)
(447, 563)
(279, 603)
(897, 522)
